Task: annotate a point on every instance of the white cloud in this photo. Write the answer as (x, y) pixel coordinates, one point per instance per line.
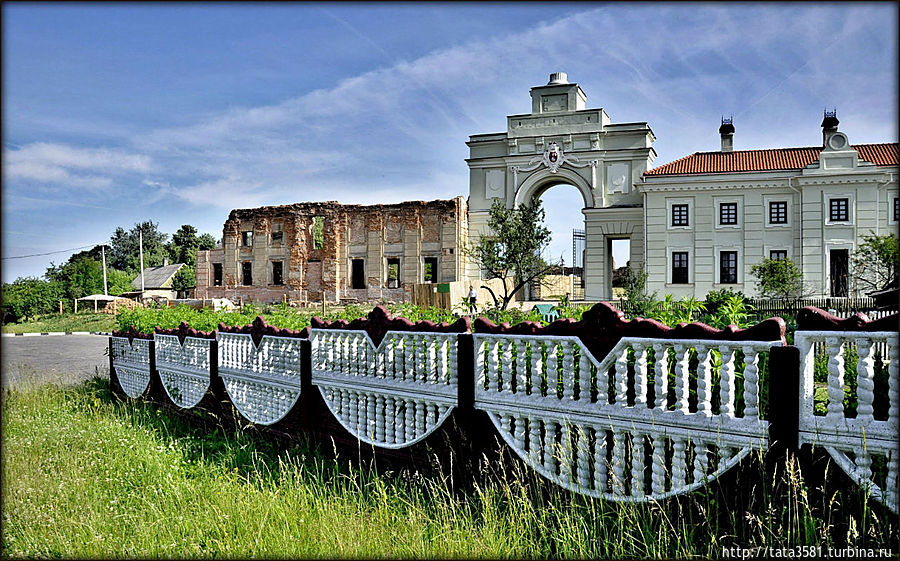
(70, 166)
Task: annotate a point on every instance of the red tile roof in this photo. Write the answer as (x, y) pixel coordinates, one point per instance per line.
(768, 160)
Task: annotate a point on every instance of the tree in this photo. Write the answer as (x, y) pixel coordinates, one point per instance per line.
(28, 297)
(640, 303)
(512, 251)
(185, 244)
(185, 278)
(876, 261)
(78, 277)
(779, 278)
(124, 251)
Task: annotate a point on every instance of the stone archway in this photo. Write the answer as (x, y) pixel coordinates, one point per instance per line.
(537, 183)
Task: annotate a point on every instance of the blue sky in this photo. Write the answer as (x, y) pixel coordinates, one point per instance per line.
(118, 113)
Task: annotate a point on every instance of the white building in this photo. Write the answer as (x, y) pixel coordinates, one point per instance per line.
(696, 224)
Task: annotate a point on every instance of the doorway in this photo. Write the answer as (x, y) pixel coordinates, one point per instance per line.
(618, 263)
(840, 272)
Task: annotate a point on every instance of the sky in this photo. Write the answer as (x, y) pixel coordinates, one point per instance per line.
(114, 114)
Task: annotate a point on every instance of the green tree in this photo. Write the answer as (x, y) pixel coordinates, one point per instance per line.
(28, 297)
(78, 277)
(185, 244)
(512, 252)
(118, 281)
(876, 261)
(124, 251)
(779, 278)
(185, 278)
(640, 302)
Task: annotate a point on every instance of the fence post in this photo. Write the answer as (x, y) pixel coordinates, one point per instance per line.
(784, 398)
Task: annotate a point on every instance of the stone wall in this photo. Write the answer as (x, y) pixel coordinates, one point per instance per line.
(408, 232)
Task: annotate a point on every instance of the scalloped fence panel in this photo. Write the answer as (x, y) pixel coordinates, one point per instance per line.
(131, 359)
(262, 381)
(391, 395)
(594, 428)
(185, 367)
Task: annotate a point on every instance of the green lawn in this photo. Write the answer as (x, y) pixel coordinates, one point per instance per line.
(67, 322)
(86, 476)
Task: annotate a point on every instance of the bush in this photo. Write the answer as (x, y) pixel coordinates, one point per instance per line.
(29, 297)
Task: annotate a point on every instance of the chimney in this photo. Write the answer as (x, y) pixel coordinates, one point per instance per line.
(726, 130)
(558, 78)
(829, 125)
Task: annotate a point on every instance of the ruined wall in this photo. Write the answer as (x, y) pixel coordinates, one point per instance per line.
(408, 232)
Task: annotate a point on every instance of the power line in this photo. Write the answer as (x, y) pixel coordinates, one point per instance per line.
(51, 252)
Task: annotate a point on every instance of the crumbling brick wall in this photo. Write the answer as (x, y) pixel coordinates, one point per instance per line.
(408, 232)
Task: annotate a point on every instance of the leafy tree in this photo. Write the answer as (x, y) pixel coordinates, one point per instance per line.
(779, 278)
(78, 277)
(124, 251)
(640, 303)
(185, 244)
(876, 261)
(512, 251)
(185, 278)
(28, 297)
(118, 281)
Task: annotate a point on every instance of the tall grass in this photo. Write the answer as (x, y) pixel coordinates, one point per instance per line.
(82, 321)
(87, 476)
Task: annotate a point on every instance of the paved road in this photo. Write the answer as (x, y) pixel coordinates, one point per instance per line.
(64, 359)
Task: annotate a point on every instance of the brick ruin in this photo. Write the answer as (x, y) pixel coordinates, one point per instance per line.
(305, 252)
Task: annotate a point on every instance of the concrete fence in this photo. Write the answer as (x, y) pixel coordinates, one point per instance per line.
(610, 408)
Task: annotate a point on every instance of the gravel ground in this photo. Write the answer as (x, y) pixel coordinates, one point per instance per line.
(63, 360)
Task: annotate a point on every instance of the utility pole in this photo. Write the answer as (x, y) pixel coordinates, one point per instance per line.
(141, 249)
(103, 253)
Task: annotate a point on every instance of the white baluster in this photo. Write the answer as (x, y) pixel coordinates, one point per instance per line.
(682, 392)
(372, 410)
(362, 399)
(618, 463)
(552, 369)
(354, 411)
(704, 381)
(519, 434)
(536, 366)
(565, 454)
(431, 366)
(390, 416)
(549, 460)
(583, 462)
(661, 375)
(893, 472)
(699, 461)
(410, 421)
(864, 469)
(751, 383)
(506, 373)
(679, 465)
(726, 382)
(442, 372)
(421, 372)
(601, 467)
(345, 405)
(505, 421)
(637, 465)
(399, 421)
(640, 375)
(452, 376)
(521, 376)
(420, 418)
(409, 362)
(835, 411)
(493, 374)
(865, 381)
(535, 449)
(584, 377)
(621, 381)
(568, 370)
(658, 476)
(894, 385)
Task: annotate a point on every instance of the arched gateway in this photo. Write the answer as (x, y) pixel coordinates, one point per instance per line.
(561, 142)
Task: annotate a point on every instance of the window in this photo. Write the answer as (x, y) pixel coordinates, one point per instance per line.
(896, 215)
(679, 267)
(839, 210)
(778, 212)
(728, 214)
(247, 273)
(393, 272)
(247, 239)
(728, 267)
(680, 215)
(277, 273)
(431, 269)
(277, 234)
(357, 274)
(778, 254)
(319, 232)
(217, 274)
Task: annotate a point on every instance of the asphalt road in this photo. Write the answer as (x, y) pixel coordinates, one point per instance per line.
(60, 359)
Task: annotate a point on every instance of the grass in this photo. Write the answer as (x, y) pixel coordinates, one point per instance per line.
(82, 321)
(87, 476)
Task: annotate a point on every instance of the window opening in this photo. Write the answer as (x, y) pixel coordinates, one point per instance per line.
(247, 273)
(393, 272)
(778, 212)
(217, 274)
(679, 267)
(247, 239)
(357, 274)
(680, 215)
(778, 254)
(839, 210)
(318, 232)
(728, 267)
(728, 214)
(277, 273)
(431, 269)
